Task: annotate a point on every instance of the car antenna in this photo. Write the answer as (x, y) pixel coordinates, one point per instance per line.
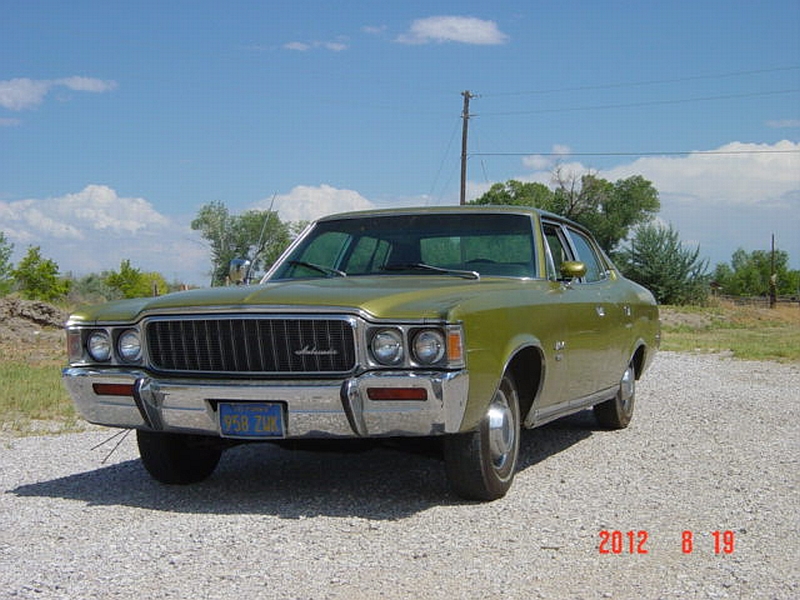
(260, 246)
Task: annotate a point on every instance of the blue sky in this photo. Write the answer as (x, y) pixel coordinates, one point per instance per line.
(119, 120)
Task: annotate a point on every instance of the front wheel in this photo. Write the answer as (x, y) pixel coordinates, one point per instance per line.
(177, 458)
(481, 464)
(616, 413)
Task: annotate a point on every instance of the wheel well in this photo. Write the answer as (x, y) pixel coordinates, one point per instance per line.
(638, 360)
(526, 369)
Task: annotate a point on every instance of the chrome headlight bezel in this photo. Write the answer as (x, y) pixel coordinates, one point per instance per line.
(387, 346)
(99, 346)
(129, 346)
(428, 347)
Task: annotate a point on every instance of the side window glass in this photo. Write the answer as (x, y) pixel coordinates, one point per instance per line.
(558, 247)
(588, 256)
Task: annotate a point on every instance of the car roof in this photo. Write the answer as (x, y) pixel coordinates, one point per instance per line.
(440, 210)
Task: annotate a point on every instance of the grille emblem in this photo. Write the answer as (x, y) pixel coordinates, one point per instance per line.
(313, 351)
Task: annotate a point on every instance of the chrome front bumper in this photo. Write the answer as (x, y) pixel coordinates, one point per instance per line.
(314, 408)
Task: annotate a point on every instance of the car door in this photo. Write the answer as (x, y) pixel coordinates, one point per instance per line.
(599, 349)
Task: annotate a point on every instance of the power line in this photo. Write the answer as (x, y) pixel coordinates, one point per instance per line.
(609, 86)
(636, 104)
(650, 153)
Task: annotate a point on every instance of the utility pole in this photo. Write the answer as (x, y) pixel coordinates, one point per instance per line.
(773, 277)
(464, 127)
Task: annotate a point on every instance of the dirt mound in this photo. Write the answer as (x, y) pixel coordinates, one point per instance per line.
(30, 330)
(31, 311)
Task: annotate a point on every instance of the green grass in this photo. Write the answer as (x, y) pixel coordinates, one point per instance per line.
(745, 332)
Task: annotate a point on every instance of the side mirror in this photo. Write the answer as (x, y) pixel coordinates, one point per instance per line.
(239, 271)
(572, 269)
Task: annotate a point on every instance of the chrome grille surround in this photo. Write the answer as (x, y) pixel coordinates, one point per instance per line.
(251, 344)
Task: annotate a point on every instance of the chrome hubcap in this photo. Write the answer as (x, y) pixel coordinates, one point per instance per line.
(502, 433)
(627, 388)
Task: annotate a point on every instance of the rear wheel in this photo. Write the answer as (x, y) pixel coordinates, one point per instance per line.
(481, 464)
(176, 458)
(616, 413)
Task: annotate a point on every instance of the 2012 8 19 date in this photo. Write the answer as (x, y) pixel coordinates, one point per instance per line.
(614, 541)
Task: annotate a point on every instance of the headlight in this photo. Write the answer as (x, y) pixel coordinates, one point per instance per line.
(99, 346)
(428, 347)
(387, 346)
(129, 346)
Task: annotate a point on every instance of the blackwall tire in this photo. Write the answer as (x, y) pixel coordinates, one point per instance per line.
(177, 459)
(481, 464)
(617, 412)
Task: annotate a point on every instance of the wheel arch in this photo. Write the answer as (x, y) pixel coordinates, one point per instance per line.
(640, 358)
(526, 366)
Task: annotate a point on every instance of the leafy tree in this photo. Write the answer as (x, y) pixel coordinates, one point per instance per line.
(37, 277)
(132, 283)
(517, 193)
(259, 236)
(6, 281)
(93, 289)
(656, 259)
(749, 274)
(609, 210)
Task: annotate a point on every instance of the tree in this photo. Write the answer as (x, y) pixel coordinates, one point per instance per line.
(517, 193)
(259, 236)
(37, 277)
(609, 210)
(132, 283)
(6, 281)
(93, 289)
(656, 259)
(749, 273)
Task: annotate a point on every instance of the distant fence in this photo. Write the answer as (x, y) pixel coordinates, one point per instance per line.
(762, 301)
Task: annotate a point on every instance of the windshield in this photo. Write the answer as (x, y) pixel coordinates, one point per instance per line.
(456, 244)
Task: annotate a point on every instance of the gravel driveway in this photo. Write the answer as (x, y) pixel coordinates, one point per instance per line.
(713, 447)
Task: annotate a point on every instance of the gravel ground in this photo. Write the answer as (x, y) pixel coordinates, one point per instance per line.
(713, 447)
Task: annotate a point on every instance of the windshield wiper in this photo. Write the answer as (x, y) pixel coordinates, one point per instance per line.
(432, 269)
(318, 268)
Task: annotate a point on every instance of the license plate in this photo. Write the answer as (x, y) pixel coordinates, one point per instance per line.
(251, 419)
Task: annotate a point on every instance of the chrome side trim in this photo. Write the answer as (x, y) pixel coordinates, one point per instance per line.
(556, 411)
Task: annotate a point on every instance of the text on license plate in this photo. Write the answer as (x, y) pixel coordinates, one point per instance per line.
(251, 419)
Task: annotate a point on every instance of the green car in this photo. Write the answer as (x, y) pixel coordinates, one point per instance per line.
(467, 323)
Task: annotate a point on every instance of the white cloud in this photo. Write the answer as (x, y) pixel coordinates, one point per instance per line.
(306, 203)
(87, 84)
(784, 123)
(22, 93)
(542, 162)
(373, 29)
(9, 122)
(335, 46)
(733, 196)
(297, 46)
(465, 30)
(95, 229)
(18, 94)
(734, 174)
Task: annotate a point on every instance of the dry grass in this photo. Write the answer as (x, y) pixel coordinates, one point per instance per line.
(744, 331)
(32, 397)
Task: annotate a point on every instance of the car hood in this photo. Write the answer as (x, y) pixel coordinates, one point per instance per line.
(390, 297)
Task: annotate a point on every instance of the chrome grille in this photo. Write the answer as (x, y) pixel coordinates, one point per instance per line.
(251, 344)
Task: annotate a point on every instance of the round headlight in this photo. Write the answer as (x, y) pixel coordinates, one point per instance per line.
(99, 346)
(429, 347)
(129, 346)
(387, 346)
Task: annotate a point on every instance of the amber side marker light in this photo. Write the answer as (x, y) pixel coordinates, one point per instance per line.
(455, 347)
(113, 389)
(397, 393)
